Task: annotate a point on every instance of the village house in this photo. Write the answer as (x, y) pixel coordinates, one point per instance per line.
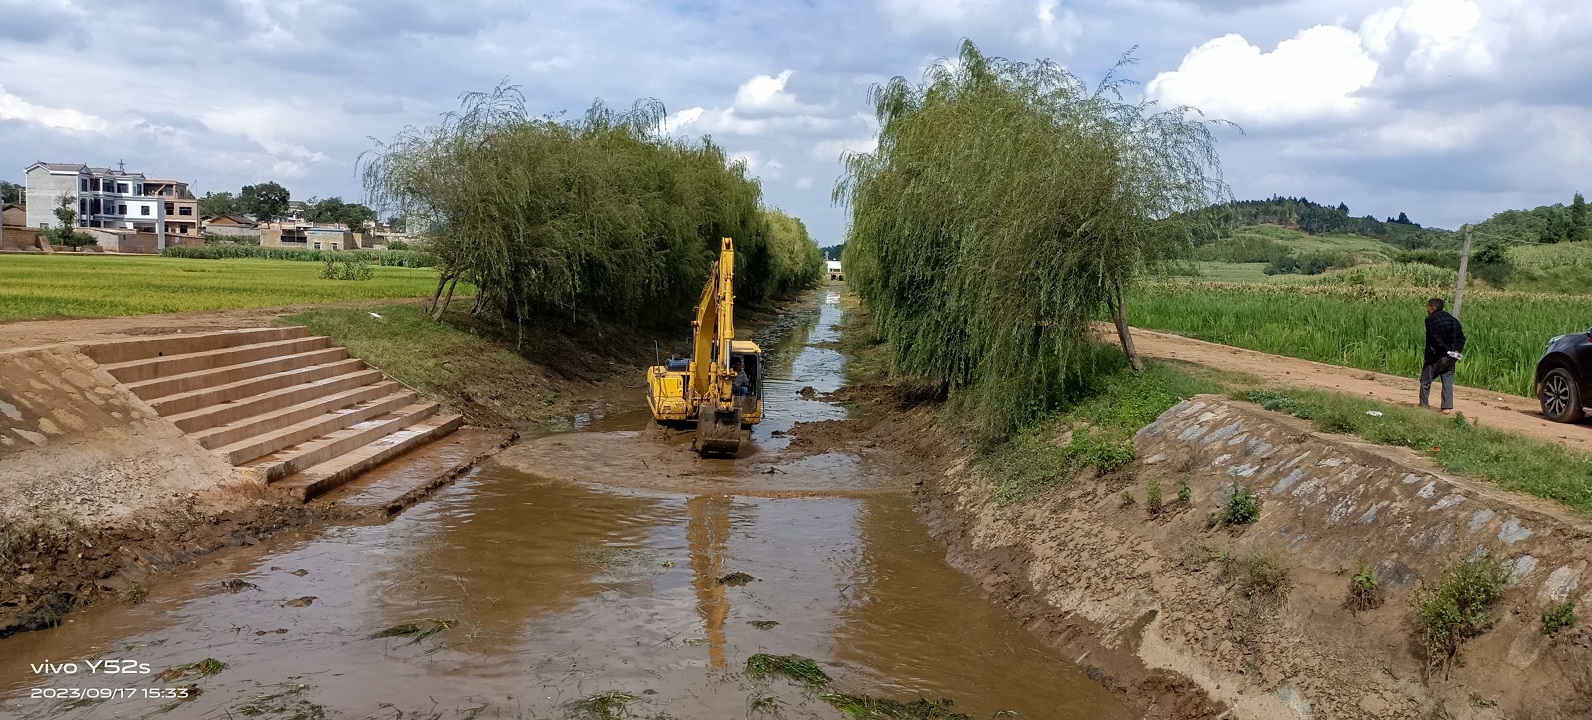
(104, 198)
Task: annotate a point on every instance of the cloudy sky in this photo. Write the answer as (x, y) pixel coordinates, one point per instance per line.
(1449, 110)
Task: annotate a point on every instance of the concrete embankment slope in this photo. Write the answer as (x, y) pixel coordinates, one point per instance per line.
(120, 457)
(1167, 591)
(75, 442)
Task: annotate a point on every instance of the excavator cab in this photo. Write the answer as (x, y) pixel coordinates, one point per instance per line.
(749, 358)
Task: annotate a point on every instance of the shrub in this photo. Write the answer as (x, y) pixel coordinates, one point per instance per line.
(345, 266)
(1184, 494)
(1309, 264)
(1261, 577)
(1459, 606)
(1152, 499)
(1242, 508)
(1365, 593)
(1558, 616)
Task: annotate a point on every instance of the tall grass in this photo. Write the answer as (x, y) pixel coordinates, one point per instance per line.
(1378, 329)
(602, 218)
(1005, 205)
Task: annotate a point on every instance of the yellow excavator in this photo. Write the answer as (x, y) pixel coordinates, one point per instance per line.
(720, 388)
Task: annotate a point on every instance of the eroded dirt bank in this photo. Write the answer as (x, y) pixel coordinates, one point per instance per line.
(1162, 607)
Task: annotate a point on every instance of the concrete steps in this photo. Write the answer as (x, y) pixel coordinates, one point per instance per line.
(286, 408)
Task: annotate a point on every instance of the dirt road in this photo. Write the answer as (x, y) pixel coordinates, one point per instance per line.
(1486, 407)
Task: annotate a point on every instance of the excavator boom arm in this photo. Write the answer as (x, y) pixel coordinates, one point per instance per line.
(714, 329)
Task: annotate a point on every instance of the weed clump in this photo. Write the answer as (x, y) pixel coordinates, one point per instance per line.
(1185, 496)
(416, 631)
(134, 594)
(871, 708)
(795, 667)
(1459, 606)
(1260, 577)
(1152, 499)
(602, 706)
(1558, 616)
(1365, 593)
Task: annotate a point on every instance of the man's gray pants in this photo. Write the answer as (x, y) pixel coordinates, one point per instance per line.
(1426, 386)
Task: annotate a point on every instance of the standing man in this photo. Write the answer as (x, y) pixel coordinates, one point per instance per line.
(1445, 341)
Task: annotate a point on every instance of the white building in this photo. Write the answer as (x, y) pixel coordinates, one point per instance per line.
(105, 198)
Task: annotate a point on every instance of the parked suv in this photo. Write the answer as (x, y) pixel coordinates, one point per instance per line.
(1564, 377)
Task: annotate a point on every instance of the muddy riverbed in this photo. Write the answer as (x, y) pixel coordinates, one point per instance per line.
(602, 569)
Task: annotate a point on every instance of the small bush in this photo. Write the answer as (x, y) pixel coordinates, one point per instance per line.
(1152, 499)
(1127, 499)
(1242, 508)
(1459, 606)
(1262, 577)
(1310, 264)
(1558, 616)
(345, 266)
(1365, 593)
(1184, 494)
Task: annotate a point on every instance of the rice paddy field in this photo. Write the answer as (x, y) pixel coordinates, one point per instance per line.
(34, 287)
(1370, 328)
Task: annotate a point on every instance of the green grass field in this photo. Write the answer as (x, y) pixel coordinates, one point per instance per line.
(1369, 249)
(64, 286)
(1376, 329)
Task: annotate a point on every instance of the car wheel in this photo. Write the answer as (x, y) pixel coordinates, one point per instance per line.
(1561, 398)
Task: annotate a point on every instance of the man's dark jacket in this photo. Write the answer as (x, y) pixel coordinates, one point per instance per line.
(1443, 334)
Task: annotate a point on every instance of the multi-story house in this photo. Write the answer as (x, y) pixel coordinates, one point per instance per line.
(180, 206)
(105, 198)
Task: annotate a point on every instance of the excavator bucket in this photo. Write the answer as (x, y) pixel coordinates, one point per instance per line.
(717, 432)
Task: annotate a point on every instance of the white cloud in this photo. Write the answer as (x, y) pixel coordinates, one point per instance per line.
(766, 93)
(15, 108)
(831, 150)
(1317, 74)
(1429, 36)
(759, 164)
(703, 121)
(804, 182)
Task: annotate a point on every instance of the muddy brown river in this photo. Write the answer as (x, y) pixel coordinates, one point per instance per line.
(564, 597)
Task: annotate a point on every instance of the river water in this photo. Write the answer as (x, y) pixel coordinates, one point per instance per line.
(559, 592)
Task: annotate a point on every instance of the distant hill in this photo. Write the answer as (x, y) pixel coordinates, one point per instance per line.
(1317, 219)
(1544, 224)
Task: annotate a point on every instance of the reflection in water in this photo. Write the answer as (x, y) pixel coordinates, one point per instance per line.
(708, 532)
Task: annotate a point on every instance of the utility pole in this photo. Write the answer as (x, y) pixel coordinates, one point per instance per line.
(1464, 268)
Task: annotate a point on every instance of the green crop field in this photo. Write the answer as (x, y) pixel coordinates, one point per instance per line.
(1369, 328)
(63, 286)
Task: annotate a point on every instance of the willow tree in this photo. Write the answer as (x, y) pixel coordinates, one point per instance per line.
(1005, 206)
(602, 218)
